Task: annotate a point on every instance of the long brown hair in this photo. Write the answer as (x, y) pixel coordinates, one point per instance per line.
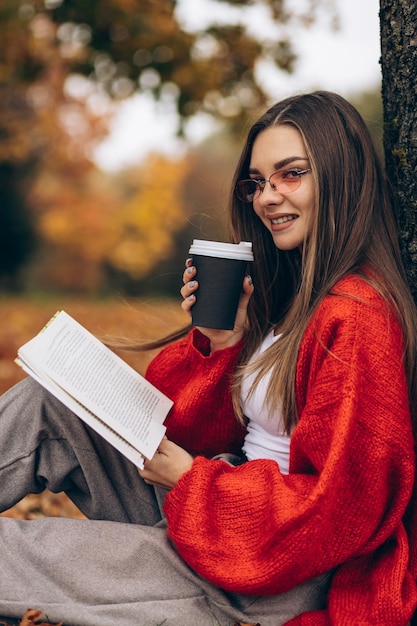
(354, 224)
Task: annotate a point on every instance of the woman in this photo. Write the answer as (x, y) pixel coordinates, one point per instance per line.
(305, 516)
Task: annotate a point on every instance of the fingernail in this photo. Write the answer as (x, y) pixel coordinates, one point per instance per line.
(191, 283)
(190, 270)
(250, 280)
(188, 261)
(191, 297)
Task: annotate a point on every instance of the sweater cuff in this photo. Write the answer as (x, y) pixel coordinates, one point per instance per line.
(178, 494)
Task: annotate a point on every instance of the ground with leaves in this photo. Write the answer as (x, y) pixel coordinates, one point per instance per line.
(32, 617)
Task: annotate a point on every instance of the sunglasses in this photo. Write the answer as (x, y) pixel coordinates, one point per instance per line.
(283, 181)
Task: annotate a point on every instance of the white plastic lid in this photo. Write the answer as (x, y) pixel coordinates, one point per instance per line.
(240, 251)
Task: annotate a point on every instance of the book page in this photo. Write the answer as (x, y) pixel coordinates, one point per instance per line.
(91, 420)
(99, 380)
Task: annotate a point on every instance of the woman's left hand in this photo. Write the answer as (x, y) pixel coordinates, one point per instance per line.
(167, 465)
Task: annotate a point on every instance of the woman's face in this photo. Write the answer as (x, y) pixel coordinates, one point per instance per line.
(287, 216)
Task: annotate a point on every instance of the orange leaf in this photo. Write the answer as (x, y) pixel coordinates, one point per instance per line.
(34, 617)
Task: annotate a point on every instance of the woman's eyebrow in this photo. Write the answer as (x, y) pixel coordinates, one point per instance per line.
(280, 164)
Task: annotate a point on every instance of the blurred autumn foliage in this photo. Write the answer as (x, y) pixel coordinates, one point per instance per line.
(89, 225)
(64, 64)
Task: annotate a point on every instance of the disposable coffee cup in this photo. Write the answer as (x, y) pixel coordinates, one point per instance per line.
(221, 268)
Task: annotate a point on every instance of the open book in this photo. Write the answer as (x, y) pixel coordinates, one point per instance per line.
(98, 386)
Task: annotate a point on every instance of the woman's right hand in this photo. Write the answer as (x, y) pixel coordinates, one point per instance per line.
(219, 339)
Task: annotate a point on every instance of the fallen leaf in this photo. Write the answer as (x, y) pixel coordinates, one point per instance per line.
(34, 617)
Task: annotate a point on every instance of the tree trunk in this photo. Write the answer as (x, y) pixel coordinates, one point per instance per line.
(398, 23)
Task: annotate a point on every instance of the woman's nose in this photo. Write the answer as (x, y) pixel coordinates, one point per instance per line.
(270, 195)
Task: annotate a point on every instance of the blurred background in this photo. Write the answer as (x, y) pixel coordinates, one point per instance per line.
(120, 125)
(121, 122)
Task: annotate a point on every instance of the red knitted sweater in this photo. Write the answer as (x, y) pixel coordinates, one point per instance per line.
(351, 474)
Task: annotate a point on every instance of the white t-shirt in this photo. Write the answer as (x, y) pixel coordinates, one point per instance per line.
(266, 438)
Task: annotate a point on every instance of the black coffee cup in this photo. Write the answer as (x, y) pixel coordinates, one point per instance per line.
(221, 268)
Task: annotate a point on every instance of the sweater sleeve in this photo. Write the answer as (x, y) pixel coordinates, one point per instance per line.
(351, 474)
(202, 419)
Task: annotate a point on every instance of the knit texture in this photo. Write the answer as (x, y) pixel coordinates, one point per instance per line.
(194, 380)
(341, 507)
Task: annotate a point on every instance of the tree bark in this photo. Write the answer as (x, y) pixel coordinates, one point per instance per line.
(398, 27)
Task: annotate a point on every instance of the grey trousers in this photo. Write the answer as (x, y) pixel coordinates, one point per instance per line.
(118, 566)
